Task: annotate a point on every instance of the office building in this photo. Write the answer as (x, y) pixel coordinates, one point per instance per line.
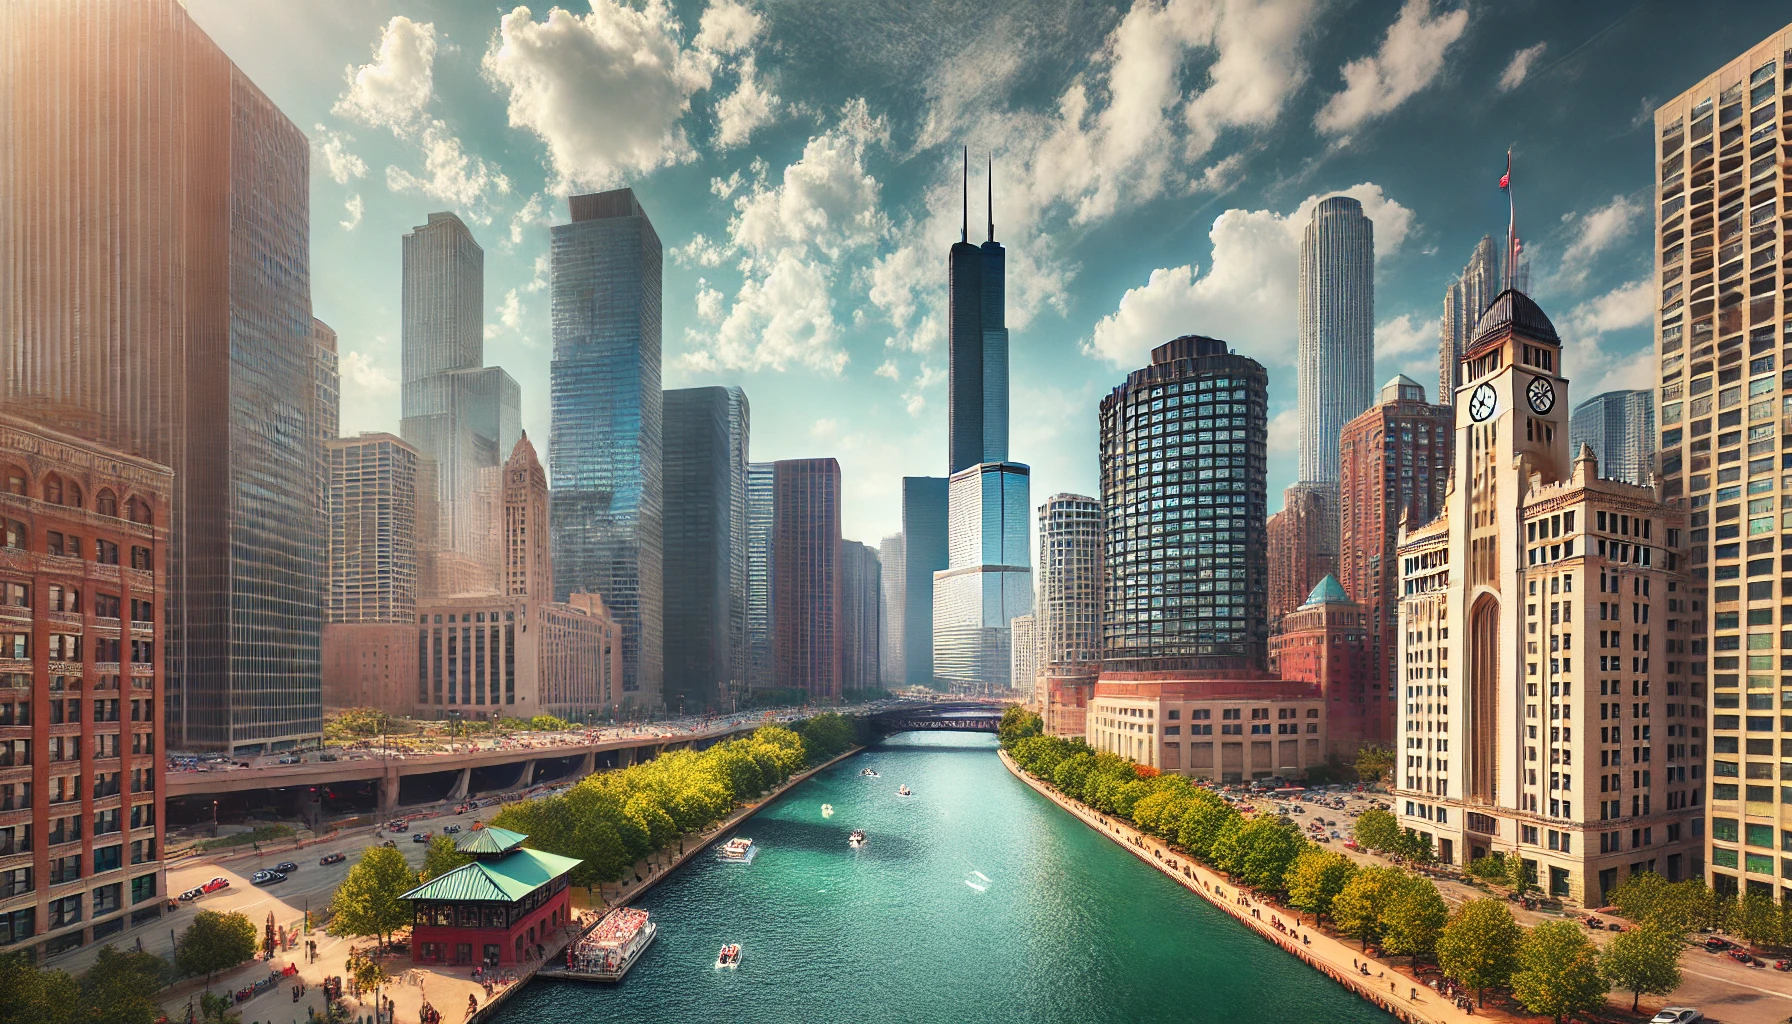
(893, 566)
(1303, 546)
(1023, 673)
(924, 552)
(740, 431)
(988, 579)
(861, 612)
(459, 413)
(1182, 492)
(1464, 301)
(326, 415)
(167, 314)
(1620, 428)
(761, 663)
(369, 646)
(1336, 356)
(977, 337)
(1394, 466)
(1720, 324)
(1541, 715)
(1226, 726)
(1326, 642)
(605, 448)
(81, 692)
(697, 474)
(805, 577)
(1068, 616)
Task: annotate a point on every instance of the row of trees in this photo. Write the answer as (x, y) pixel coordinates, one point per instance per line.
(1553, 969)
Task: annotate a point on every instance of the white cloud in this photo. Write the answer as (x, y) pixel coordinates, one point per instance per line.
(1520, 67)
(889, 370)
(700, 251)
(914, 397)
(1284, 434)
(392, 91)
(1597, 232)
(728, 27)
(1598, 363)
(510, 311)
(451, 174)
(338, 162)
(1255, 270)
(543, 269)
(370, 379)
(1410, 57)
(1402, 337)
(533, 213)
(605, 92)
(355, 208)
(710, 302)
(1623, 307)
(748, 108)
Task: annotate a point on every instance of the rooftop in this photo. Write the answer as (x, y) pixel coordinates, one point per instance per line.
(1329, 591)
(508, 880)
(1513, 309)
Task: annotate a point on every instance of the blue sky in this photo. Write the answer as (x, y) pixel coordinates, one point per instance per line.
(799, 159)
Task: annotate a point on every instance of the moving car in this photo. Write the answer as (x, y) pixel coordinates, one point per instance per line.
(1677, 1015)
(332, 858)
(450, 830)
(422, 837)
(266, 877)
(398, 825)
(286, 865)
(1716, 945)
(215, 884)
(288, 759)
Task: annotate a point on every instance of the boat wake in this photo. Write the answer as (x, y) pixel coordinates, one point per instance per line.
(827, 810)
(974, 885)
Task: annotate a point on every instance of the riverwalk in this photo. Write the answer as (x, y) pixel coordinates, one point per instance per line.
(1383, 985)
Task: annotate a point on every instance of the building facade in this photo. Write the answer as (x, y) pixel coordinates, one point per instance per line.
(761, 501)
(1068, 615)
(1183, 485)
(168, 315)
(806, 628)
(1538, 717)
(1620, 428)
(1326, 642)
(326, 377)
(1023, 673)
(925, 551)
(1302, 546)
(1722, 313)
(1393, 469)
(1226, 726)
(988, 579)
(1464, 301)
(1336, 356)
(494, 910)
(977, 337)
(81, 689)
(605, 447)
(740, 431)
(861, 614)
(697, 474)
(892, 565)
(369, 646)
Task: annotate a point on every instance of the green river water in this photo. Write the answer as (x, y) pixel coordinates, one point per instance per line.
(1065, 927)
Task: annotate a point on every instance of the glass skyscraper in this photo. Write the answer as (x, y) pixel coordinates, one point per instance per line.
(760, 504)
(698, 548)
(1336, 357)
(924, 552)
(740, 430)
(1620, 425)
(978, 338)
(604, 449)
(1183, 489)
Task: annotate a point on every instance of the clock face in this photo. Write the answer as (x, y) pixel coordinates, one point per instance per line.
(1542, 395)
(1482, 403)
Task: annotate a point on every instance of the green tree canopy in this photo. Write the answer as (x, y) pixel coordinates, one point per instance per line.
(1018, 724)
(1378, 830)
(1316, 878)
(120, 988)
(441, 857)
(367, 902)
(1357, 910)
(1259, 852)
(1643, 959)
(1478, 948)
(214, 942)
(1757, 919)
(1374, 763)
(33, 996)
(1558, 972)
(1413, 919)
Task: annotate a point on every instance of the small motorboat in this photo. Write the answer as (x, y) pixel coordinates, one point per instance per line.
(857, 839)
(869, 773)
(903, 790)
(729, 957)
(739, 850)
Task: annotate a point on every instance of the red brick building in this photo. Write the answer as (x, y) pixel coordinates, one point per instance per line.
(806, 552)
(1393, 464)
(1065, 702)
(1326, 641)
(85, 535)
(494, 911)
(1303, 546)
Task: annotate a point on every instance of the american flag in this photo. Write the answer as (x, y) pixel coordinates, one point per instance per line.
(1506, 178)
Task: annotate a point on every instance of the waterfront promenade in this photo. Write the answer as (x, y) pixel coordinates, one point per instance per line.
(1385, 986)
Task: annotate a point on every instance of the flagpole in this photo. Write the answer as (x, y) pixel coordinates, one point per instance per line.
(1511, 223)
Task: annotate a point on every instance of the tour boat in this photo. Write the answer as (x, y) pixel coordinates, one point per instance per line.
(903, 790)
(739, 850)
(729, 957)
(612, 947)
(857, 838)
(869, 773)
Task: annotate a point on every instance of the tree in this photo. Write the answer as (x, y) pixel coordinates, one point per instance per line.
(1413, 919)
(214, 942)
(367, 902)
(1414, 846)
(120, 988)
(1757, 919)
(1488, 869)
(1377, 830)
(441, 857)
(1479, 946)
(1518, 873)
(34, 996)
(1558, 972)
(1643, 959)
(1259, 853)
(1316, 878)
(368, 974)
(1359, 905)
(218, 1010)
(1373, 764)
(1018, 724)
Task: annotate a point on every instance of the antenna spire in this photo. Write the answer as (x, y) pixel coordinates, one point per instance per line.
(964, 224)
(990, 176)
(1511, 220)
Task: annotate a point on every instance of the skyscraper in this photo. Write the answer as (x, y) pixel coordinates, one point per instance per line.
(740, 431)
(326, 418)
(1303, 546)
(458, 412)
(698, 459)
(893, 565)
(761, 501)
(977, 335)
(1183, 487)
(1620, 427)
(370, 640)
(1024, 657)
(1336, 361)
(161, 304)
(806, 598)
(604, 449)
(1394, 468)
(861, 604)
(526, 537)
(1719, 404)
(1068, 617)
(1464, 302)
(924, 552)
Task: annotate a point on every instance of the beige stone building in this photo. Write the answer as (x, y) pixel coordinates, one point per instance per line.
(1227, 726)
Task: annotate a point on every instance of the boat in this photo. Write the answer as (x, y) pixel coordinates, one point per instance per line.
(739, 850)
(607, 951)
(869, 773)
(903, 790)
(857, 838)
(729, 957)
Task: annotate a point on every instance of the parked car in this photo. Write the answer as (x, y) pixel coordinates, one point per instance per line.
(1716, 945)
(398, 826)
(423, 837)
(216, 884)
(192, 894)
(289, 759)
(1677, 1015)
(326, 757)
(1740, 956)
(285, 866)
(451, 830)
(332, 858)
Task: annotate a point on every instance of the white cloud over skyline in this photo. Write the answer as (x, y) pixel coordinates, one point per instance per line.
(1410, 58)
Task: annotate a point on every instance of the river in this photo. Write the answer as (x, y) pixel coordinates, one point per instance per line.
(974, 900)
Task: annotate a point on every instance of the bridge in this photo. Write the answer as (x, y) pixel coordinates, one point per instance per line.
(953, 715)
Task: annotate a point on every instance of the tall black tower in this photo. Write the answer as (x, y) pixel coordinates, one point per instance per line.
(978, 337)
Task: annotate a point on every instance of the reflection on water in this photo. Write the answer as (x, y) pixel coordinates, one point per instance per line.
(973, 900)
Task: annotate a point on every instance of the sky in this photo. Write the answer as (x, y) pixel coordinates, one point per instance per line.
(1154, 164)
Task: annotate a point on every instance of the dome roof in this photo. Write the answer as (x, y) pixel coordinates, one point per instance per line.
(1513, 308)
(1329, 591)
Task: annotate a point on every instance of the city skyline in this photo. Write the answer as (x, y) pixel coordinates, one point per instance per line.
(1425, 162)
